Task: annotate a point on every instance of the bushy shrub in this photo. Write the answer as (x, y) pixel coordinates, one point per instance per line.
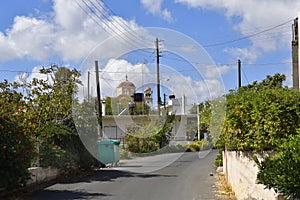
(65, 150)
(18, 130)
(195, 146)
(150, 137)
(219, 160)
(258, 116)
(282, 171)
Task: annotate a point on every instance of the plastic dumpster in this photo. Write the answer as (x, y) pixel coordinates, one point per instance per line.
(108, 151)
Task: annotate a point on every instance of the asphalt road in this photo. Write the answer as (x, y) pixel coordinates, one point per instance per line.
(171, 176)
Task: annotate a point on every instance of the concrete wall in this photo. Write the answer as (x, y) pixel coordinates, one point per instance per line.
(40, 175)
(123, 122)
(241, 171)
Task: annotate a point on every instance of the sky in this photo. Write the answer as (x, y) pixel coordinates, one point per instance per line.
(199, 42)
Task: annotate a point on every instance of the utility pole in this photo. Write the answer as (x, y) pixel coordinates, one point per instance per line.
(99, 100)
(198, 121)
(295, 55)
(88, 86)
(239, 74)
(157, 76)
(165, 101)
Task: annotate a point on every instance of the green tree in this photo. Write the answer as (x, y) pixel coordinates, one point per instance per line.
(150, 137)
(53, 100)
(205, 117)
(258, 116)
(19, 128)
(282, 171)
(108, 106)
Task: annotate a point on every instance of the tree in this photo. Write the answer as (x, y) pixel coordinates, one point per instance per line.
(275, 81)
(258, 116)
(19, 127)
(282, 171)
(205, 118)
(151, 136)
(53, 99)
(108, 106)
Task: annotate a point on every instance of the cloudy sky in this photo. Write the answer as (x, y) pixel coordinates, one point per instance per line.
(200, 41)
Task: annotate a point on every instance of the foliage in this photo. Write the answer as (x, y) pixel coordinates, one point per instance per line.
(211, 114)
(18, 132)
(258, 116)
(39, 125)
(108, 106)
(205, 117)
(141, 109)
(282, 171)
(266, 116)
(55, 99)
(195, 146)
(150, 137)
(219, 160)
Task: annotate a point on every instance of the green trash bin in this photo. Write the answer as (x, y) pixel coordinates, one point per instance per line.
(108, 151)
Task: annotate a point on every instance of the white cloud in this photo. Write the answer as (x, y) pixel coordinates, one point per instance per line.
(68, 33)
(35, 73)
(254, 16)
(248, 55)
(144, 75)
(213, 71)
(28, 37)
(155, 8)
(114, 72)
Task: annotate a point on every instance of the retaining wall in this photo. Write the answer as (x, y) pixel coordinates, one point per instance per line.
(241, 172)
(39, 174)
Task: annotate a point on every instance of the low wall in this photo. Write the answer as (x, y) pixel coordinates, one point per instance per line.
(40, 175)
(241, 172)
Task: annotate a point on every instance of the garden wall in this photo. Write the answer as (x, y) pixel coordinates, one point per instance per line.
(40, 175)
(241, 171)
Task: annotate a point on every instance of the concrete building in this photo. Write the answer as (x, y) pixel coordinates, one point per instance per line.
(116, 126)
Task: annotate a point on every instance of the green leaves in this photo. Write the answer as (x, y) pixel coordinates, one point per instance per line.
(266, 116)
(258, 116)
(39, 125)
(150, 137)
(281, 172)
(18, 127)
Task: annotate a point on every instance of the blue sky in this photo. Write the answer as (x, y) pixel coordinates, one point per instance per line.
(66, 32)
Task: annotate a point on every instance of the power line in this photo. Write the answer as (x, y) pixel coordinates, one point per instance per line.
(121, 23)
(248, 36)
(184, 70)
(241, 38)
(124, 34)
(264, 64)
(18, 71)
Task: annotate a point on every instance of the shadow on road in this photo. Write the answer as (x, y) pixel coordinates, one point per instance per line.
(111, 175)
(66, 195)
(60, 190)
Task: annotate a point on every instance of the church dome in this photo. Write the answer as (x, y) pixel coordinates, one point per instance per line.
(126, 84)
(126, 88)
(148, 89)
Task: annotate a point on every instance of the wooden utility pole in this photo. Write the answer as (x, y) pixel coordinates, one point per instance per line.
(198, 122)
(88, 98)
(99, 100)
(157, 76)
(295, 55)
(239, 74)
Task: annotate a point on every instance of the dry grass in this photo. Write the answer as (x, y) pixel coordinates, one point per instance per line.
(224, 190)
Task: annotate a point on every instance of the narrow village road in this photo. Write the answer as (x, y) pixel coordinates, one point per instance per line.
(187, 178)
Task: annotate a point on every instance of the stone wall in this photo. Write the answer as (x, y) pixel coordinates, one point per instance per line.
(241, 171)
(40, 175)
